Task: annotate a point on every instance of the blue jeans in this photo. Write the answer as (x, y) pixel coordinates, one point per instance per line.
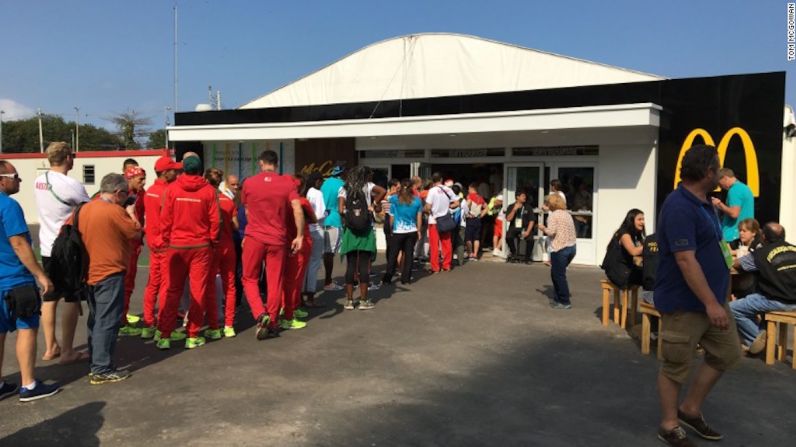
(105, 308)
(559, 261)
(745, 309)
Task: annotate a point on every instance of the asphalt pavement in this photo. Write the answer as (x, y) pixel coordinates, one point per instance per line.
(468, 358)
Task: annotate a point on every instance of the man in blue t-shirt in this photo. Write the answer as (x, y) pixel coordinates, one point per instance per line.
(691, 291)
(740, 204)
(331, 225)
(20, 301)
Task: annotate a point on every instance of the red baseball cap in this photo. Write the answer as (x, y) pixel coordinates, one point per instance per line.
(165, 163)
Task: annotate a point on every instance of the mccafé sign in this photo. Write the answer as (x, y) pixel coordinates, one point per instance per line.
(752, 169)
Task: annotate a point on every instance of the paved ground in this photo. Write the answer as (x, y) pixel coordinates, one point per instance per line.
(472, 357)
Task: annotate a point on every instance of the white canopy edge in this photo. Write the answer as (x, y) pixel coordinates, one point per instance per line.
(622, 115)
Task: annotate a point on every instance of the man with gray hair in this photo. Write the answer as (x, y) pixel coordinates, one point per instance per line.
(57, 195)
(106, 229)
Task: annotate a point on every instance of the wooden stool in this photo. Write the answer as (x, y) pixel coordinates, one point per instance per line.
(648, 310)
(621, 298)
(781, 320)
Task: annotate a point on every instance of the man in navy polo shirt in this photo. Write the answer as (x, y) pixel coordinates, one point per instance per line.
(691, 291)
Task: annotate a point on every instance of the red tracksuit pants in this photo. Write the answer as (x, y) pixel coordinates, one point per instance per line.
(155, 290)
(434, 241)
(224, 264)
(253, 256)
(295, 269)
(179, 263)
(129, 276)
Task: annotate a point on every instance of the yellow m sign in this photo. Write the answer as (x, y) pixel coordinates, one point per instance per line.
(752, 171)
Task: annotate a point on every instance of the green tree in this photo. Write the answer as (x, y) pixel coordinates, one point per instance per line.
(23, 135)
(131, 126)
(157, 139)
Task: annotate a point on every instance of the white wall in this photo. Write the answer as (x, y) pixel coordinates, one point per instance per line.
(30, 168)
(240, 157)
(787, 207)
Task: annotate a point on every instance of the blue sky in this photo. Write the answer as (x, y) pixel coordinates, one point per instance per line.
(110, 56)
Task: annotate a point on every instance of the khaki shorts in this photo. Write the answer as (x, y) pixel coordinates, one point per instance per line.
(681, 331)
(331, 240)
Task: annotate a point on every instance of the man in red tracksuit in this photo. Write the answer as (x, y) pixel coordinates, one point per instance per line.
(225, 260)
(268, 198)
(166, 170)
(296, 265)
(189, 228)
(136, 178)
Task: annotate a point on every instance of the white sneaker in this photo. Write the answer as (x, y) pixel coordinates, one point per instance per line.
(374, 286)
(332, 287)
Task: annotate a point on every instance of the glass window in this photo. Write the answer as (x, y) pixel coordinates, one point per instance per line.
(88, 174)
(577, 184)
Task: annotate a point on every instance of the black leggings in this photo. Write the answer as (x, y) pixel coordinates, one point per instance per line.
(358, 260)
(401, 242)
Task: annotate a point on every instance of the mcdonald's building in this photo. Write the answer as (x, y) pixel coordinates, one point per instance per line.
(512, 118)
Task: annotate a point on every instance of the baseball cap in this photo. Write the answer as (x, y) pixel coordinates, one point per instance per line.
(133, 171)
(499, 197)
(165, 163)
(192, 165)
(337, 170)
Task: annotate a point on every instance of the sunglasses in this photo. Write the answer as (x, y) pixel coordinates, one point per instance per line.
(11, 176)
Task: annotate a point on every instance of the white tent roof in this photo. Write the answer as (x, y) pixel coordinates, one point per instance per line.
(432, 65)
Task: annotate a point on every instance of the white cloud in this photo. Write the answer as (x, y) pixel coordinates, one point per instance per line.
(14, 110)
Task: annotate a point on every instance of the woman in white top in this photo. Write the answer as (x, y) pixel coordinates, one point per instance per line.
(315, 197)
(561, 230)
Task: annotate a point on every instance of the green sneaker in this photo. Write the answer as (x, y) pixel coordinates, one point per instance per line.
(295, 323)
(175, 336)
(213, 334)
(300, 313)
(194, 342)
(148, 332)
(128, 330)
(163, 344)
(229, 331)
(133, 319)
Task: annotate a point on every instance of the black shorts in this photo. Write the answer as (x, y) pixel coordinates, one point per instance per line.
(56, 294)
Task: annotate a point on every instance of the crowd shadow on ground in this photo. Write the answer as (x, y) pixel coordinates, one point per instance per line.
(557, 391)
(76, 427)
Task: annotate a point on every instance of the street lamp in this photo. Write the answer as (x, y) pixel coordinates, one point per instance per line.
(166, 123)
(41, 133)
(77, 129)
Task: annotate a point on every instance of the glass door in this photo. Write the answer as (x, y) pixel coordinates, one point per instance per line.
(527, 177)
(578, 185)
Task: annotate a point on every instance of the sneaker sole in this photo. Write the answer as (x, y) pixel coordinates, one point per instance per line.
(102, 382)
(40, 396)
(709, 438)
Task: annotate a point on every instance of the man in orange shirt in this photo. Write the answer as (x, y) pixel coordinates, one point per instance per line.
(106, 230)
(189, 228)
(166, 170)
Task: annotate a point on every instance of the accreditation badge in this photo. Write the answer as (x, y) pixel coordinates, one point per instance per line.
(518, 222)
(727, 253)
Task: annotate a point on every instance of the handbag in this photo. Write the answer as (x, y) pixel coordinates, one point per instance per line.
(445, 223)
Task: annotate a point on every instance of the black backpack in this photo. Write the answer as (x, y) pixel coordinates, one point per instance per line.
(357, 215)
(68, 267)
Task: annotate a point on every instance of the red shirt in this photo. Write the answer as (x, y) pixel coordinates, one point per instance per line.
(190, 217)
(267, 198)
(291, 222)
(228, 212)
(152, 202)
(475, 198)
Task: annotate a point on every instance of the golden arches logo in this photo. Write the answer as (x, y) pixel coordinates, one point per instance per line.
(752, 170)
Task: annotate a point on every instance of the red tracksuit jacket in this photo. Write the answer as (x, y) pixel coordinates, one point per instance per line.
(190, 217)
(153, 198)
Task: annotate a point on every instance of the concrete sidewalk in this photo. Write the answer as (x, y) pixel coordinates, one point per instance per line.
(472, 357)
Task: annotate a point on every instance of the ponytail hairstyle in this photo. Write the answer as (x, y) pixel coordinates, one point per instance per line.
(405, 195)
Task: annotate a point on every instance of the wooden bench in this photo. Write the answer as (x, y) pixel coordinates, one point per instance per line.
(625, 303)
(779, 345)
(648, 311)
